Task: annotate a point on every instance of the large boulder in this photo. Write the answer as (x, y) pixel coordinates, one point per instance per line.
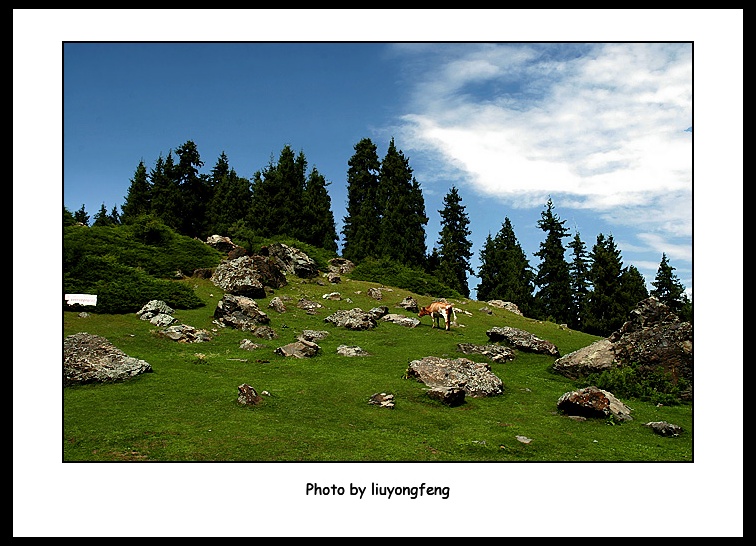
(593, 402)
(248, 276)
(352, 319)
(240, 312)
(475, 378)
(291, 261)
(89, 358)
(497, 353)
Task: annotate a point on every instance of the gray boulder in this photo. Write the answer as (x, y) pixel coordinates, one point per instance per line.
(593, 402)
(240, 313)
(248, 276)
(521, 340)
(353, 319)
(89, 358)
(475, 378)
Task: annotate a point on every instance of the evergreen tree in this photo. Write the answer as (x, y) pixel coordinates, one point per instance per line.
(165, 192)
(554, 297)
(68, 217)
(579, 284)
(402, 228)
(101, 218)
(193, 190)
(82, 216)
(505, 273)
(667, 287)
(361, 225)
(231, 198)
(139, 196)
(606, 309)
(632, 288)
(455, 247)
(277, 195)
(317, 225)
(115, 217)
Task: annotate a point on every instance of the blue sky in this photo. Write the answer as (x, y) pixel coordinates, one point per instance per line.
(604, 129)
(591, 107)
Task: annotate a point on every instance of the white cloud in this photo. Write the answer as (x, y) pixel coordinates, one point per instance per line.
(602, 125)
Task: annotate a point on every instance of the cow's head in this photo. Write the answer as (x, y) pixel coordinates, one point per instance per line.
(423, 312)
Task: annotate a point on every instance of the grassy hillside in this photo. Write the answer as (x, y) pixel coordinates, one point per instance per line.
(186, 410)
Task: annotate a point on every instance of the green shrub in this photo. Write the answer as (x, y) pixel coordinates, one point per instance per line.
(648, 383)
(395, 274)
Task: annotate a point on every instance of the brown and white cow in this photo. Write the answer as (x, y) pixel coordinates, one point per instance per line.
(438, 310)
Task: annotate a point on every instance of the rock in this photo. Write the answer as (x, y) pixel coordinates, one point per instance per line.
(340, 265)
(248, 396)
(663, 428)
(403, 320)
(299, 349)
(378, 312)
(410, 304)
(291, 261)
(497, 353)
(353, 350)
(248, 276)
(593, 358)
(183, 333)
(225, 245)
(89, 358)
(249, 345)
(522, 340)
(383, 400)
(593, 402)
(353, 319)
(375, 293)
(313, 335)
(508, 305)
(475, 378)
(450, 396)
(240, 313)
(277, 305)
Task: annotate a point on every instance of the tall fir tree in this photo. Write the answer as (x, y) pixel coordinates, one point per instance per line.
(667, 287)
(317, 224)
(139, 196)
(632, 288)
(277, 195)
(505, 273)
(81, 216)
(68, 217)
(102, 218)
(454, 244)
(165, 192)
(193, 191)
(115, 216)
(231, 198)
(606, 309)
(553, 297)
(361, 225)
(580, 288)
(402, 228)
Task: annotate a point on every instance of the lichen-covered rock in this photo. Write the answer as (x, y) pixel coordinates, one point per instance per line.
(521, 340)
(89, 358)
(593, 402)
(475, 378)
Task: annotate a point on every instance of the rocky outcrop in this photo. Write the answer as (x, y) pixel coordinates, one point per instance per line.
(291, 261)
(474, 378)
(299, 349)
(248, 276)
(508, 305)
(653, 337)
(521, 340)
(89, 358)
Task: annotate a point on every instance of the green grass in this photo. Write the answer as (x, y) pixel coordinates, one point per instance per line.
(187, 410)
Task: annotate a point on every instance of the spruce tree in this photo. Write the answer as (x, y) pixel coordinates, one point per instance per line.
(82, 216)
(505, 273)
(115, 217)
(193, 191)
(402, 227)
(579, 284)
(68, 217)
(606, 309)
(632, 288)
(317, 225)
(361, 225)
(101, 218)
(667, 287)
(139, 196)
(277, 191)
(165, 192)
(231, 198)
(454, 245)
(553, 298)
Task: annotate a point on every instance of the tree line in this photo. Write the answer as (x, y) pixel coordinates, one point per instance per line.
(386, 218)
